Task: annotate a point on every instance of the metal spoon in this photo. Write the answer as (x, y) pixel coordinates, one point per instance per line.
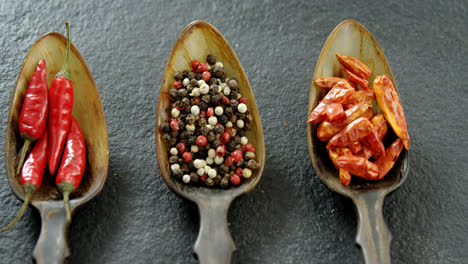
(214, 243)
(351, 38)
(52, 247)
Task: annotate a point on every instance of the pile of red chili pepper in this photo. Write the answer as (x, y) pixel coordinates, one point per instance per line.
(46, 121)
(354, 134)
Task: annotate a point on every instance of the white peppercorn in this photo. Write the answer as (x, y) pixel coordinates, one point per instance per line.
(242, 108)
(186, 178)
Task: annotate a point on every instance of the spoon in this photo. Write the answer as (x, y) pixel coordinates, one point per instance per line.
(52, 247)
(351, 38)
(214, 243)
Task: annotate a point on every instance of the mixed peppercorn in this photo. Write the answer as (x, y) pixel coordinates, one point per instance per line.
(207, 132)
(353, 133)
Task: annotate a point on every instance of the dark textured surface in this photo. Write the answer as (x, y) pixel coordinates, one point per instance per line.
(291, 217)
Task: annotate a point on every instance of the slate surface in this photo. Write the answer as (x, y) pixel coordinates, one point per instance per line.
(291, 217)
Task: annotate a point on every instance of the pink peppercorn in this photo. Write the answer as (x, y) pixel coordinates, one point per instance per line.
(225, 137)
(229, 161)
(178, 84)
(187, 156)
(242, 100)
(195, 64)
(206, 76)
(180, 147)
(174, 124)
(210, 111)
(202, 68)
(201, 140)
(220, 151)
(224, 100)
(235, 179)
(237, 155)
(238, 171)
(250, 147)
(203, 178)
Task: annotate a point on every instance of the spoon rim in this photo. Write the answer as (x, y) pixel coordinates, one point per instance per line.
(190, 192)
(349, 190)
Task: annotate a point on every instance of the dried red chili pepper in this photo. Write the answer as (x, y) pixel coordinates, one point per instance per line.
(358, 166)
(73, 164)
(355, 147)
(361, 96)
(353, 132)
(380, 125)
(364, 153)
(390, 104)
(338, 94)
(345, 176)
(373, 143)
(327, 130)
(354, 78)
(31, 174)
(386, 162)
(335, 113)
(329, 82)
(60, 110)
(355, 66)
(33, 117)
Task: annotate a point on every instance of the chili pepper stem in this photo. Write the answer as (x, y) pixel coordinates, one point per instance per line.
(29, 190)
(64, 71)
(24, 151)
(66, 188)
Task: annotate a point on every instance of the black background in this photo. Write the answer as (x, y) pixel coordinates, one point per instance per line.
(291, 217)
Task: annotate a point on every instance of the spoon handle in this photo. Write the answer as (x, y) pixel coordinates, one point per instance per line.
(214, 244)
(52, 246)
(372, 235)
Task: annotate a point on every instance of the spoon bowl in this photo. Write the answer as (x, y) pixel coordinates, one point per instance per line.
(352, 39)
(214, 243)
(87, 109)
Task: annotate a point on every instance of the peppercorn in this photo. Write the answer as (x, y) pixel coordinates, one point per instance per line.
(178, 174)
(191, 140)
(204, 131)
(211, 137)
(165, 127)
(218, 129)
(241, 116)
(225, 182)
(172, 142)
(248, 126)
(190, 119)
(203, 105)
(249, 155)
(212, 81)
(217, 179)
(229, 111)
(173, 159)
(223, 169)
(248, 118)
(202, 122)
(189, 88)
(223, 119)
(194, 82)
(209, 182)
(237, 140)
(173, 93)
(178, 76)
(216, 142)
(185, 168)
(242, 132)
(215, 99)
(182, 92)
(252, 164)
(233, 119)
(194, 177)
(218, 72)
(232, 83)
(198, 76)
(206, 98)
(234, 94)
(185, 102)
(231, 146)
(240, 163)
(233, 103)
(211, 59)
(166, 136)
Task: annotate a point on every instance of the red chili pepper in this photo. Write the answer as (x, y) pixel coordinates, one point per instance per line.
(31, 174)
(60, 108)
(33, 117)
(73, 164)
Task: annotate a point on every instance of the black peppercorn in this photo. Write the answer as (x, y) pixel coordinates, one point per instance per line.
(178, 174)
(181, 122)
(183, 135)
(215, 99)
(241, 132)
(194, 177)
(234, 103)
(241, 116)
(173, 92)
(174, 134)
(216, 143)
(204, 130)
(211, 59)
(191, 140)
(185, 102)
(165, 127)
(185, 168)
(252, 164)
(206, 98)
(190, 119)
(232, 83)
(189, 133)
(234, 94)
(198, 76)
(231, 146)
(209, 182)
(212, 81)
(236, 140)
(191, 75)
(217, 179)
(248, 125)
(193, 101)
(233, 119)
(224, 182)
(173, 159)
(223, 119)
(178, 76)
(166, 136)
(218, 72)
(214, 88)
(202, 122)
(223, 169)
(211, 137)
(172, 142)
(229, 111)
(189, 88)
(240, 163)
(185, 73)
(182, 92)
(218, 129)
(203, 105)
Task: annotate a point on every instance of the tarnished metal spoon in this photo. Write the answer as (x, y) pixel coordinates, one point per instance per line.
(52, 245)
(351, 38)
(214, 243)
